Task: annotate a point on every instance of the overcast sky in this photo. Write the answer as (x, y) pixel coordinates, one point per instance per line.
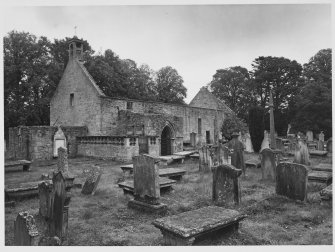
(195, 39)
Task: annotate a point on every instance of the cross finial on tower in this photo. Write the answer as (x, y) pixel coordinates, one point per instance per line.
(75, 30)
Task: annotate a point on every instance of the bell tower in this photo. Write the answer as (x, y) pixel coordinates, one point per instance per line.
(76, 49)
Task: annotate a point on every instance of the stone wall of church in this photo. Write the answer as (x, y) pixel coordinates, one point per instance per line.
(37, 142)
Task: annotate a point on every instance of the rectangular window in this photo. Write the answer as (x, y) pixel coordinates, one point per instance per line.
(129, 105)
(199, 126)
(132, 141)
(71, 99)
(208, 137)
(152, 140)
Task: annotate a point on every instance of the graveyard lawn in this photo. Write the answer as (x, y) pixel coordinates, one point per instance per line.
(105, 219)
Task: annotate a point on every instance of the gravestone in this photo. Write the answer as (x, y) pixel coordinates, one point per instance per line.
(25, 230)
(63, 166)
(248, 143)
(205, 160)
(320, 145)
(309, 135)
(291, 180)
(266, 141)
(56, 221)
(92, 180)
(237, 157)
(45, 198)
(322, 136)
(59, 141)
(301, 154)
(268, 164)
(146, 184)
(330, 145)
(226, 189)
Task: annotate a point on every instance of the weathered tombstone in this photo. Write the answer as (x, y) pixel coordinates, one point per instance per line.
(330, 145)
(268, 164)
(237, 157)
(322, 136)
(25, 230)
(92, 180)
(204, 159)
(45, 195)
(248, 143)
(146, 184)
(309, 135)
(57, 207)
(301, 154)
(291, 180)
(320, 145)
(59, 141)
(266, 141)
(63, 166)
(226, 189)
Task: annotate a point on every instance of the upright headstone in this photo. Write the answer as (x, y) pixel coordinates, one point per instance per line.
(322, 136)
(25, 230)
(330, 145)
(291, 180)
(237, 157)
(301, 155)
(320, 145)
(92, 180)
(45, 197)
(266, 141)
(57, 215)
(248, 143)
(59, 141)
(146, 184)
(226, 189)
(63, 166)
(268, 164)
(309, 135)
(205, 160)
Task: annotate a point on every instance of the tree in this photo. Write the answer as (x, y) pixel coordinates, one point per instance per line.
(313, 106)
(231, 124)
(256, 126)
(170, 86)
(231, 85)
(281, 75)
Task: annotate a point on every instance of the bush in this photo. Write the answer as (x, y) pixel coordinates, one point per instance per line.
(232, 124)
(256, 126)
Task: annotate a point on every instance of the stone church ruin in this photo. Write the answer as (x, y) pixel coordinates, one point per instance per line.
(118, 128)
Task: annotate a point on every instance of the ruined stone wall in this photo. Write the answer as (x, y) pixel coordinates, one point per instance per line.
(111, 109)
(85, 109)
(110, 147)
(36, 142)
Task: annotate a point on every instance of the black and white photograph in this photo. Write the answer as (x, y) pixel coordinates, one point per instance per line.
(167, 123)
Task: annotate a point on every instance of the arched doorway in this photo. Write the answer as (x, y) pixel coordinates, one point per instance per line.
(166, 141)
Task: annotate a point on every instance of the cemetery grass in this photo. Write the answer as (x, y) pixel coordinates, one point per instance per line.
(104, 219)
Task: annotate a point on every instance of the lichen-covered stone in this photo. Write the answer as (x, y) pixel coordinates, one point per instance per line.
(291, 180)
(92, 180)
(226, 189)
(25, 230)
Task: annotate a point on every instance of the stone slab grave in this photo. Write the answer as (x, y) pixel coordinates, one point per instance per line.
(165, 184)
(320, 177)
(253, 163)
(15, 165)
(92, 180)
(226, 189)
(327, 193)
(268, 164)
(166, 160)
(323, 167)
(318, 153)
(171, 172)
(291, 180)
(188, 227)
(195, 156)
(185, 154)
(25, 230)
(23, 190)
(146, 184)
